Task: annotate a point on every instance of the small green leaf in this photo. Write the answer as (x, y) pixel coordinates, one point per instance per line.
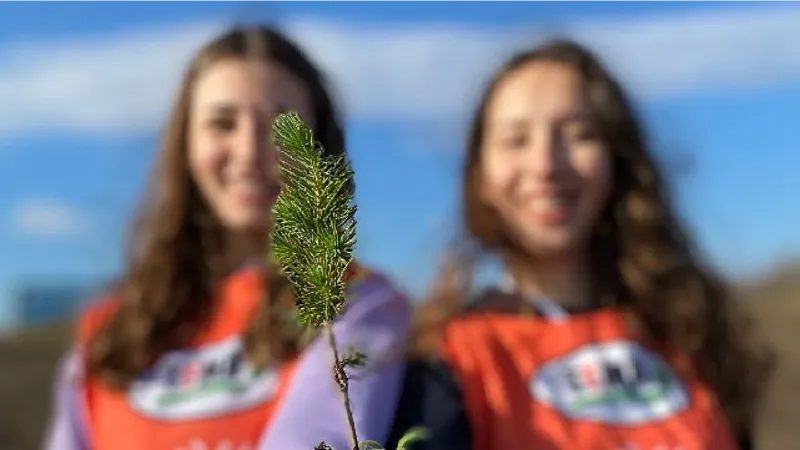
(412, 435)
(370, 445)
(354, 358)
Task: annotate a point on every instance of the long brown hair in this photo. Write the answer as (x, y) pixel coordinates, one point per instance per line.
(176, 245)
(638, 251)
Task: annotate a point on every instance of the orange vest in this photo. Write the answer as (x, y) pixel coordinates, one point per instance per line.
(583, 383)
(204, 397)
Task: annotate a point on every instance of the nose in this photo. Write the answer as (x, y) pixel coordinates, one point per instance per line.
(546, 153)
(252, 140)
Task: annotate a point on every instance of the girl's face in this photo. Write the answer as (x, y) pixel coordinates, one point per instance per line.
(544, 166)
(231, 156)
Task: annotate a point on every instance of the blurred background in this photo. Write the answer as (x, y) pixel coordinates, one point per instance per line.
(85, 87)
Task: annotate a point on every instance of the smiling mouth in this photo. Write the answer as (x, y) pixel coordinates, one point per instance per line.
(253, 191)
(549, 209)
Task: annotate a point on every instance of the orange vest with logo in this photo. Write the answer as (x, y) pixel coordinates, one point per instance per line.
(203, 397)
(583, 383)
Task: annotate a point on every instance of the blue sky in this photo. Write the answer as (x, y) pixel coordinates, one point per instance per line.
(85, 86)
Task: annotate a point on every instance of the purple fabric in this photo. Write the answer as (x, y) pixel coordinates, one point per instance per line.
(376, 322)
(66, 430)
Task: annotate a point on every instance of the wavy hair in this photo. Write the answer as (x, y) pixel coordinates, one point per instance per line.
(641, 257)
(176, 244)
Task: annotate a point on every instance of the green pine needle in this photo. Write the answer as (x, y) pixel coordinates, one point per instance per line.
(314, 221)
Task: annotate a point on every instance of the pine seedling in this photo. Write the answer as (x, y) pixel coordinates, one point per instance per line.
(314, 222)
(314, 232)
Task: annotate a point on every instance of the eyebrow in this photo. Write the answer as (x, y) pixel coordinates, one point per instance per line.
(577, 116)
(520, 122)
(224, 107)
(510, 122)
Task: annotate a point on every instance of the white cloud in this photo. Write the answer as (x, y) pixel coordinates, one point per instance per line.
(123, 82)
(46, 218)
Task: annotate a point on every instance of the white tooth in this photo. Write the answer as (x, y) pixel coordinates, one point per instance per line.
(546, 203)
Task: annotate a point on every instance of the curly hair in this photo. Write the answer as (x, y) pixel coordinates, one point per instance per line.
(176, 244)
(642, 259)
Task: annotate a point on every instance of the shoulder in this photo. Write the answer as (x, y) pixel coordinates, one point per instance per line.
(474, 326)
(92, 319)
(487, 325)
(364, 282)
(375, 305)
(487, 311)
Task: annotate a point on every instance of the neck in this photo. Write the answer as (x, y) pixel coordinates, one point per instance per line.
(242, 248)
(566, 282)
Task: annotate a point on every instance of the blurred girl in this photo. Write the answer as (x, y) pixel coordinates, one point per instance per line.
(609, 332)
(196, 350)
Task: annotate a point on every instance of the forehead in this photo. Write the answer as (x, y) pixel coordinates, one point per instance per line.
(244, 83)
(538, 90)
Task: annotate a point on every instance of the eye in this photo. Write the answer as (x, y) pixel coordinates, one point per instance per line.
(580, 132)
(222, 124)
(514, 140)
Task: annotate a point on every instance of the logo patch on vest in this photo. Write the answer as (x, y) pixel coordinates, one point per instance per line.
(200, 383)
(616, 383)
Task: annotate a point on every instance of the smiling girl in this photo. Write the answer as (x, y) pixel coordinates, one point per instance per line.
(609, 333)
(197, 349)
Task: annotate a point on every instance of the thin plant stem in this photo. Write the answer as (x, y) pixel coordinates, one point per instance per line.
(342, 380)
